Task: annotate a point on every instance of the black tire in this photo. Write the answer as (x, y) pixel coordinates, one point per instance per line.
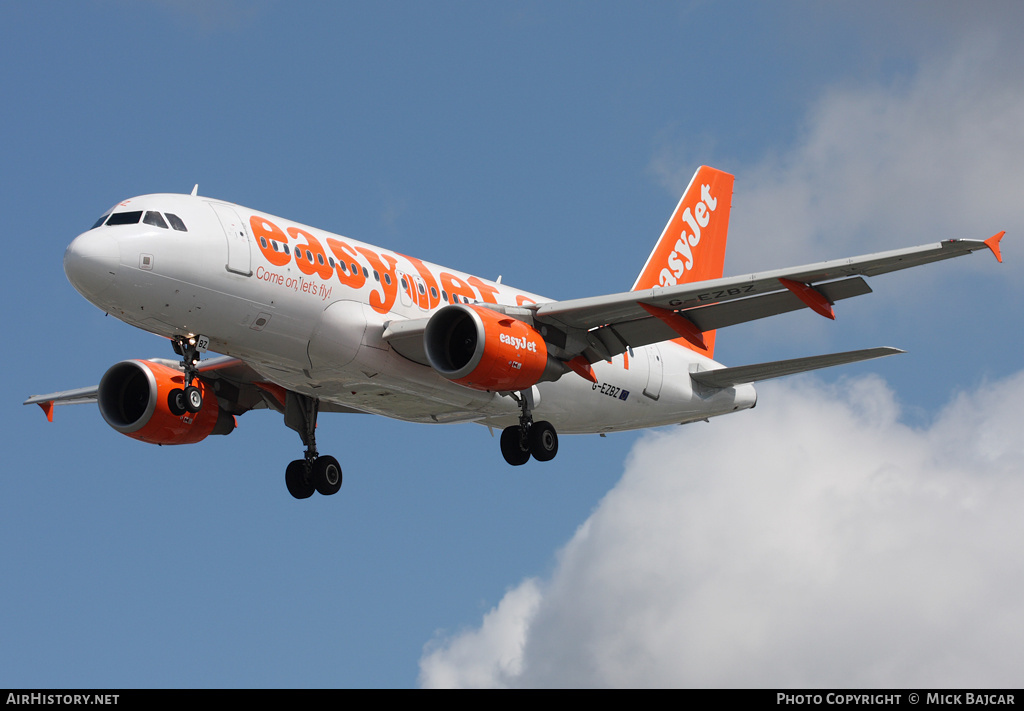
(296, 478)
(176, 402)
(513, 447)
(193, 399)
(327, 475)
(543, 441)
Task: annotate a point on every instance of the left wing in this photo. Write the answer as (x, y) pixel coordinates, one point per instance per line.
(77, 396)
(237, 386)
(231, 372)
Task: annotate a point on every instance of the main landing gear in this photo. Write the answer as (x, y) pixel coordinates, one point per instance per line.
(189, 398)
(538, 439)
(314, 472)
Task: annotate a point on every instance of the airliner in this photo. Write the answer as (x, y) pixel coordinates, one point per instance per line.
(307, 322)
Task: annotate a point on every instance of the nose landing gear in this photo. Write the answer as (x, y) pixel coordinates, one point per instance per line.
(189, 398)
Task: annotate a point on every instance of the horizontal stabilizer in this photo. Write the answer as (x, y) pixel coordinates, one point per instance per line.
(727, 377)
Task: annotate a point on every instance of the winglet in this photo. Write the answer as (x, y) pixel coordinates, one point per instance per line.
(47, 408)
(993, 244)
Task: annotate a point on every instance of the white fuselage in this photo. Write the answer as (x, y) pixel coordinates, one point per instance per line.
(309, 325)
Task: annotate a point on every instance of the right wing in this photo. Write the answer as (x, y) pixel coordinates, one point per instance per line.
(602, 326)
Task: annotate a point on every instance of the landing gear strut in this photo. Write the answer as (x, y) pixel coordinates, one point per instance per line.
(538, 439)
(189, 398)
(315, 472)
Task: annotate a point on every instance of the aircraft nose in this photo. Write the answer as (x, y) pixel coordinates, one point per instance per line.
(91, 261)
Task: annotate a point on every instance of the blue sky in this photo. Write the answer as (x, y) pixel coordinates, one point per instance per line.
(548, 143)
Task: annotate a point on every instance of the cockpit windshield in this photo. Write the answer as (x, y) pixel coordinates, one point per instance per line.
(176, 222)
(133, 217)
(101, 220)
(125, 218)
(155, 219)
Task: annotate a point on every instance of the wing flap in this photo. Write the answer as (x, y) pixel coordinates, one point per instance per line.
(642, 332)
(727, 377)
(730, 313)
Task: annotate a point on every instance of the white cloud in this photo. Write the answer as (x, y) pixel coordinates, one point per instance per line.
(491, 656)
(815, 541)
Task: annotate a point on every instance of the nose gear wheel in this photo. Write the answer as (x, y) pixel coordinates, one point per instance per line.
(189, 398)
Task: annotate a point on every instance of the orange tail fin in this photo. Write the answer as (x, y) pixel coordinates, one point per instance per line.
(692, 246)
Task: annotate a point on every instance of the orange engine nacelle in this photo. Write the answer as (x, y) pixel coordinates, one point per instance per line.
(486, 350)
(133, 400)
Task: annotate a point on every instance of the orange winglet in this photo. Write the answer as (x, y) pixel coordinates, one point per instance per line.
(993, 244)
(811, 297)
(47, 408)
(581, 367)
(678, 323)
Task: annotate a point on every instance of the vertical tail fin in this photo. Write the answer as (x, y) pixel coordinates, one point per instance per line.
(692, 246)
